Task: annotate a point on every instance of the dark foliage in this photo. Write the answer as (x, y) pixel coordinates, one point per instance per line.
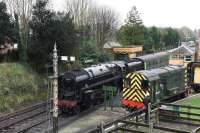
(5, 24)
(49, 28)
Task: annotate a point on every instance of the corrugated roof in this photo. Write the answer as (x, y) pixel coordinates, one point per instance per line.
(154, 55)
(111, 45)
(153, 74)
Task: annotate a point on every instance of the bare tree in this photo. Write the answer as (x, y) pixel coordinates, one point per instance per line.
(79, 10)
(104, 23)
(23, 9)
(9, 4)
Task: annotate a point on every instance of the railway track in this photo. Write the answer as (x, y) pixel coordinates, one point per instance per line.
(35, 119)
(24, 119)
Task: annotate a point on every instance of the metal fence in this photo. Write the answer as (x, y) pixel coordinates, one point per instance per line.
(148, 120)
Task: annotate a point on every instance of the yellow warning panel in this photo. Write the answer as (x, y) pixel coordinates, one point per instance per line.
(197, 75)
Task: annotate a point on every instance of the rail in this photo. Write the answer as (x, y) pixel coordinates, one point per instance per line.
(31, 115)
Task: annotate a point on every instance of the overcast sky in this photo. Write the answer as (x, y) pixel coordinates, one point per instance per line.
(164, 13)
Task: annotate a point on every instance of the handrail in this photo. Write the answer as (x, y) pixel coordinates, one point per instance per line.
(182, 106)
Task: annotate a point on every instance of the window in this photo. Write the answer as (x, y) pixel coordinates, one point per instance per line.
(145, 84)
(127, 83)
(188, 58)
(173, 56)
(181, 57)
(177, 57)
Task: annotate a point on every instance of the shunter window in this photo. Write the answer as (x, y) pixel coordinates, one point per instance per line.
(127, 83)
(145, 84)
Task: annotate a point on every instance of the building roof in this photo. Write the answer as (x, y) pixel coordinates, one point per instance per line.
(110, 44)
(154, 56)
(183, 49)
(154, 74)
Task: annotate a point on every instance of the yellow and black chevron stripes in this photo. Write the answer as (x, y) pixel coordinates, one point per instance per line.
(134, 92)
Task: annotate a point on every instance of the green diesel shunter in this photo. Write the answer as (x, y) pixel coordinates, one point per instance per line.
(153, 85)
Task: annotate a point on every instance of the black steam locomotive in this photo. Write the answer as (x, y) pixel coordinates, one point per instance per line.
(82, 88)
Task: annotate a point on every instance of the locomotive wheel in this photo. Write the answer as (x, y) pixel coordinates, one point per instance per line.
(77, 110)
(196, 89)
(184, 95)
(64, 110)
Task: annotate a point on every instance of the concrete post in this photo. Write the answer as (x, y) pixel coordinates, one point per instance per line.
(55, 90)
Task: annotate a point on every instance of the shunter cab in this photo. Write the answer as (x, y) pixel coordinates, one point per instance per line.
(152, 85)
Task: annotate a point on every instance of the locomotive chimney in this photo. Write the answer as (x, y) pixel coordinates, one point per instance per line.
(197, 50)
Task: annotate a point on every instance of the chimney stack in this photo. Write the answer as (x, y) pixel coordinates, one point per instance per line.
(197, 50)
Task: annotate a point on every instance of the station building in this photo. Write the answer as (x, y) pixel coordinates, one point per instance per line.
(182, 55)
(120, 51)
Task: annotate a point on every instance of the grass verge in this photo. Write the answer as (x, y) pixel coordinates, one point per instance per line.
(19, 85)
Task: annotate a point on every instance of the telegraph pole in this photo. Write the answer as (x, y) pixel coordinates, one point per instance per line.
(55, 90)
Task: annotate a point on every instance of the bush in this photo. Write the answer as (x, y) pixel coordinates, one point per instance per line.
(90, 54)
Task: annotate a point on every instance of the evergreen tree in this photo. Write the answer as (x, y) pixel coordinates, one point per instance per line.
(171, 38)
(156, 37)
(5, 23)
(47, 28)
(41, 39)
(16, 37)
(132, 33)
(65, 34)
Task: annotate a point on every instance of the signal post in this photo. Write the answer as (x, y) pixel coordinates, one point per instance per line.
(55, 90)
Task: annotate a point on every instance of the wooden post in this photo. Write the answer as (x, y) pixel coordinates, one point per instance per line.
(137, 119)
(102, 128)
(55, 90)
(157, 114)
(112, 98)
(149, 119)
(105, 95)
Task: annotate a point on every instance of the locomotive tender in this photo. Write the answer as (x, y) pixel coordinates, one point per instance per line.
(82, 88)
